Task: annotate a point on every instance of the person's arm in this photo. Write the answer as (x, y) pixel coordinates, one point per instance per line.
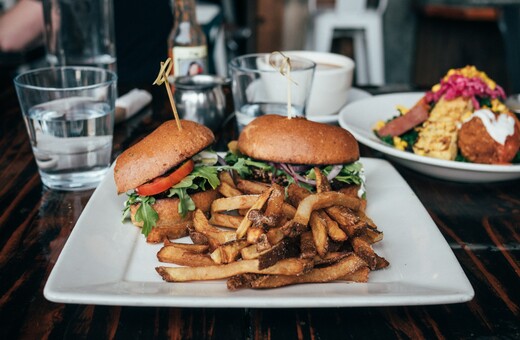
(21, 25)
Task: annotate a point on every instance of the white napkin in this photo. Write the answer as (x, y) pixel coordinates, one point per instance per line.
(131, 103)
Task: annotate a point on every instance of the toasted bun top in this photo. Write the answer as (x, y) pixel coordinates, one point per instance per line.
(298, 141)
(163, 149)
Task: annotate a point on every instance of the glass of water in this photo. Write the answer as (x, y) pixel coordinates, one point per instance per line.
(69, 115)
(80, 32)
(259, 87)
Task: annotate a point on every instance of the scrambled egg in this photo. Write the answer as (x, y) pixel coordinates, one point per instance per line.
(438, 137)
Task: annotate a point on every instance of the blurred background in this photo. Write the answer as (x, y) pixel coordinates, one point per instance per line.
(421, 39)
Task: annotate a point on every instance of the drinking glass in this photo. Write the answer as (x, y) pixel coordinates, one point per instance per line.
(259, 87)
(69, 115)
(80, 32)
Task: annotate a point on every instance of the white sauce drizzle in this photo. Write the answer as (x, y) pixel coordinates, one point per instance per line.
(499, 127)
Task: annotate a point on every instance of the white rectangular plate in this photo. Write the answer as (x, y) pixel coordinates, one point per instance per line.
(108, 262)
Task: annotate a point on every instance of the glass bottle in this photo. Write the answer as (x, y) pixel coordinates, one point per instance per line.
(187, 44)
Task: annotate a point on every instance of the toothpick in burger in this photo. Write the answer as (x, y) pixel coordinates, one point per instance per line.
(167, 175)
(273, 148)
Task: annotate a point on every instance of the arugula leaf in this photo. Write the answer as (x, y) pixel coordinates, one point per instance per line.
(185, 202)
(209, 173)
(387, 139)
(198, 178)
(181, 191)
(231, 158)
(242, 165)
(350, 173)
(410, 137)
(145, 213)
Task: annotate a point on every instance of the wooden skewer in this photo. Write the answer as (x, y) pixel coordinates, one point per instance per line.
(162, 77)
(285, 70)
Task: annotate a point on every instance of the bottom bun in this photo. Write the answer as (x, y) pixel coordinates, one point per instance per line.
(167, 208)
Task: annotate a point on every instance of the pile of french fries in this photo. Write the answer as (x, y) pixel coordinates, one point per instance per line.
(265, 236)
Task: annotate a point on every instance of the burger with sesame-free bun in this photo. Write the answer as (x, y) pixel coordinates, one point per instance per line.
(274, 148)
(167, 175)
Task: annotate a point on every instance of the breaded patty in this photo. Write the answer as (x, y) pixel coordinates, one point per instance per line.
(478, 146)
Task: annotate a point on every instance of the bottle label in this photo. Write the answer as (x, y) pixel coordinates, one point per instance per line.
(189, 60)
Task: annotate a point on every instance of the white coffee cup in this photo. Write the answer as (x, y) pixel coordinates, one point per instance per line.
(332, 81)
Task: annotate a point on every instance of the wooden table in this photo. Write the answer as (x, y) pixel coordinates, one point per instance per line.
(481, 222)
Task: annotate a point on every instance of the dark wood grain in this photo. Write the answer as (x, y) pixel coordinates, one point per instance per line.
(481, 222)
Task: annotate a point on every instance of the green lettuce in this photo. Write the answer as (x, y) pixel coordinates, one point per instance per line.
(202, 177)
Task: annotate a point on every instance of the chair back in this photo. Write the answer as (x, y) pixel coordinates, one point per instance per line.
(350, 6)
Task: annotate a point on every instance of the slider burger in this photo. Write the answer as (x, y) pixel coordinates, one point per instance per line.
(273, 148)
(166, 175)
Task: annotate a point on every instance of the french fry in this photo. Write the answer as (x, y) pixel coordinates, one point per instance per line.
(241, 281)
(343, 216)
(334, 272)
(364, 251)
(360, 275)
(278, 240)
(201, 225)
(295, 194)
(320, 201)
(381, 262)
(371, 235)
(225, 177)
(275, 235)
(225, 220)
(333, 229)
(314, 202)
(288, 210)
(293, 229)
(354, 230)
(319, 233)
(251, 187)
(193, 248)
(307, 247)
(246, 223)
(158, 234)
(274, 206)
(246, 280)
(331, 258)
(250, 252)
(253, 234)
(285, 249)
(291, 267)
(227, 190)
(322, 183)
(233, 203)
(260, 219)
(173, 254)
(263, 243)
(228, 252)
(198, 238)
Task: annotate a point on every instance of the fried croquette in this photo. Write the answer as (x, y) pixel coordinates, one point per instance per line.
(476, 144)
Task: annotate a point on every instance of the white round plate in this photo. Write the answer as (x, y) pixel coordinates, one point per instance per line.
(354, 94)
(360, 117)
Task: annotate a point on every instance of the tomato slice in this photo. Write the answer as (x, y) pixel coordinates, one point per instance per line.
(160, 184)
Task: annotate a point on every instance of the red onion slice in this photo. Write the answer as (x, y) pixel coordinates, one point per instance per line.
(336, 169)
(221, 160)
(301, 178)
